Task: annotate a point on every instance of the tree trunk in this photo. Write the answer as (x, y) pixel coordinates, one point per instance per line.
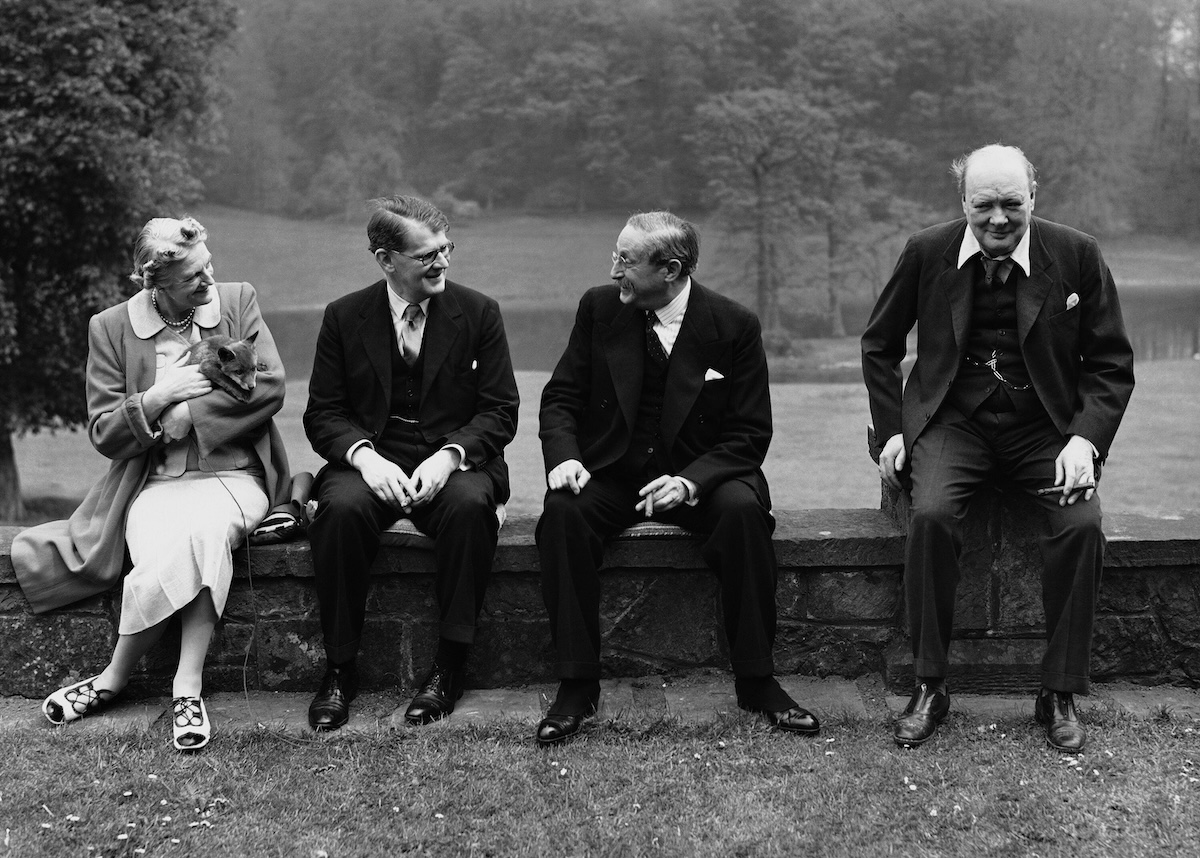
(11, 507)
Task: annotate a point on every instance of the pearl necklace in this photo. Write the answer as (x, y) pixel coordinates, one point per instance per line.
(178, 326)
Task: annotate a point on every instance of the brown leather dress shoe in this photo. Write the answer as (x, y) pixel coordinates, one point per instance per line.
(926, 709)
(436, 697)
(1055, 710)
(330, 709)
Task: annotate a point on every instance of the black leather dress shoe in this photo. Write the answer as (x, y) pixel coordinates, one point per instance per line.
(436, 697)
(1055, 710)
(926, 709)
(330, 709)
(794, 720)
(554, 729)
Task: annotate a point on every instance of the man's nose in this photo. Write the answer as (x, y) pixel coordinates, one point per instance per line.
(998, 215)
(617, 271)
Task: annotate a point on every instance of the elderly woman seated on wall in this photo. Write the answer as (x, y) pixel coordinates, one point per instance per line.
(195, 466)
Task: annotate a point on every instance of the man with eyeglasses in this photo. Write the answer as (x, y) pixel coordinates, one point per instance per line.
(411, 401)
(659, 409)
(1022, 375)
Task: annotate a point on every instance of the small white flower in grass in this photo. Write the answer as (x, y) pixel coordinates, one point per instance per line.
(193, 824)
(162, 801)
(721, 744)
(174, 839)
(45, 825)
(122, 836)
(827, 741)
(562, 773)
(958, 808)
(152, 777)
(141, 850)
(439, 816)
(912, 787)
(695, 756)
(127, 793)
(933, 811)
(395, 808)
(131, 825)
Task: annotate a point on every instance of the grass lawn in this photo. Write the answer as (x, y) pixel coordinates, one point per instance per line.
(817, 460)
(729, 788)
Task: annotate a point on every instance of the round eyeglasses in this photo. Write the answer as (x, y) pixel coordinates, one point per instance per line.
(430, 257)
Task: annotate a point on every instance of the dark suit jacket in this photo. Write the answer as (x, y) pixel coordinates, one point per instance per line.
(713, 430)
(468, 392)
(1079, 358)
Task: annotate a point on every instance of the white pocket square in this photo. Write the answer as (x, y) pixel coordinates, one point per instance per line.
(1072, 300)
(711, 374)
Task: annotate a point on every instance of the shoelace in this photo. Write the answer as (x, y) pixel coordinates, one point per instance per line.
(187, 712)
(84, 698)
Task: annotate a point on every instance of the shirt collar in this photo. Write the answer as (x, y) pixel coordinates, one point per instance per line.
(970, 246)
(399, 305)
(678, 306)
(147, 323)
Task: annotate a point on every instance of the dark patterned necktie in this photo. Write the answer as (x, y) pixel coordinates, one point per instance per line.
(654, 346)
(990, 268)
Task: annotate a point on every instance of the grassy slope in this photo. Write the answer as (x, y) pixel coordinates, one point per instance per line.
(728, 789)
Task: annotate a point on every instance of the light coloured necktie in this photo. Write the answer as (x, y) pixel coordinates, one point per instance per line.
(410, 333)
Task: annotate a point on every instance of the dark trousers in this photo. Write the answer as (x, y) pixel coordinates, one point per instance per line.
(571, 535)
(951, 459)
(345, 537)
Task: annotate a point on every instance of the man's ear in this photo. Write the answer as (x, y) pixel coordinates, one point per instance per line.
(674, 269)
(384, 258)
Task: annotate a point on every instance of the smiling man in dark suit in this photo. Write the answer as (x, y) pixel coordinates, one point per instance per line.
(1022, 375)
(412, 401)
(659, 408)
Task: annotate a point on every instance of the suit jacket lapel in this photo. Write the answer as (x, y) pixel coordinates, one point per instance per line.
(625, 352)
(957, 285)
(689, 361)
(441, 330)
(378, 336)
(1032, 294)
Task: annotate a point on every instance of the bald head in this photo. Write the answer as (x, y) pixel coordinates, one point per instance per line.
(997, 185)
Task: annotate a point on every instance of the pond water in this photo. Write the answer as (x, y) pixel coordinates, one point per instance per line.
(1163, 323)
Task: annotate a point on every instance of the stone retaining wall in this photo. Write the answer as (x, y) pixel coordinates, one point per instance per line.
(841, 611)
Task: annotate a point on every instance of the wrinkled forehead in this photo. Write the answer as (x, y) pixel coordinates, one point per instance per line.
(632, 240)
(996, 175)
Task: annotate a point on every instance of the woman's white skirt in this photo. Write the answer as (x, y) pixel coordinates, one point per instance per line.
(181, 533)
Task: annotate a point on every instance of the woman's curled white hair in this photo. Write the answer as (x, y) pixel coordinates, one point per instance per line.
(161, 242)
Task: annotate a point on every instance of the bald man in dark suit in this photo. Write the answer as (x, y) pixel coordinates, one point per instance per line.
(1022, 375)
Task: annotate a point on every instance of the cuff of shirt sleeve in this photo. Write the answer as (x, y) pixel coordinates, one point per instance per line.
(693, 491)
(353, 447)
(463, 464)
